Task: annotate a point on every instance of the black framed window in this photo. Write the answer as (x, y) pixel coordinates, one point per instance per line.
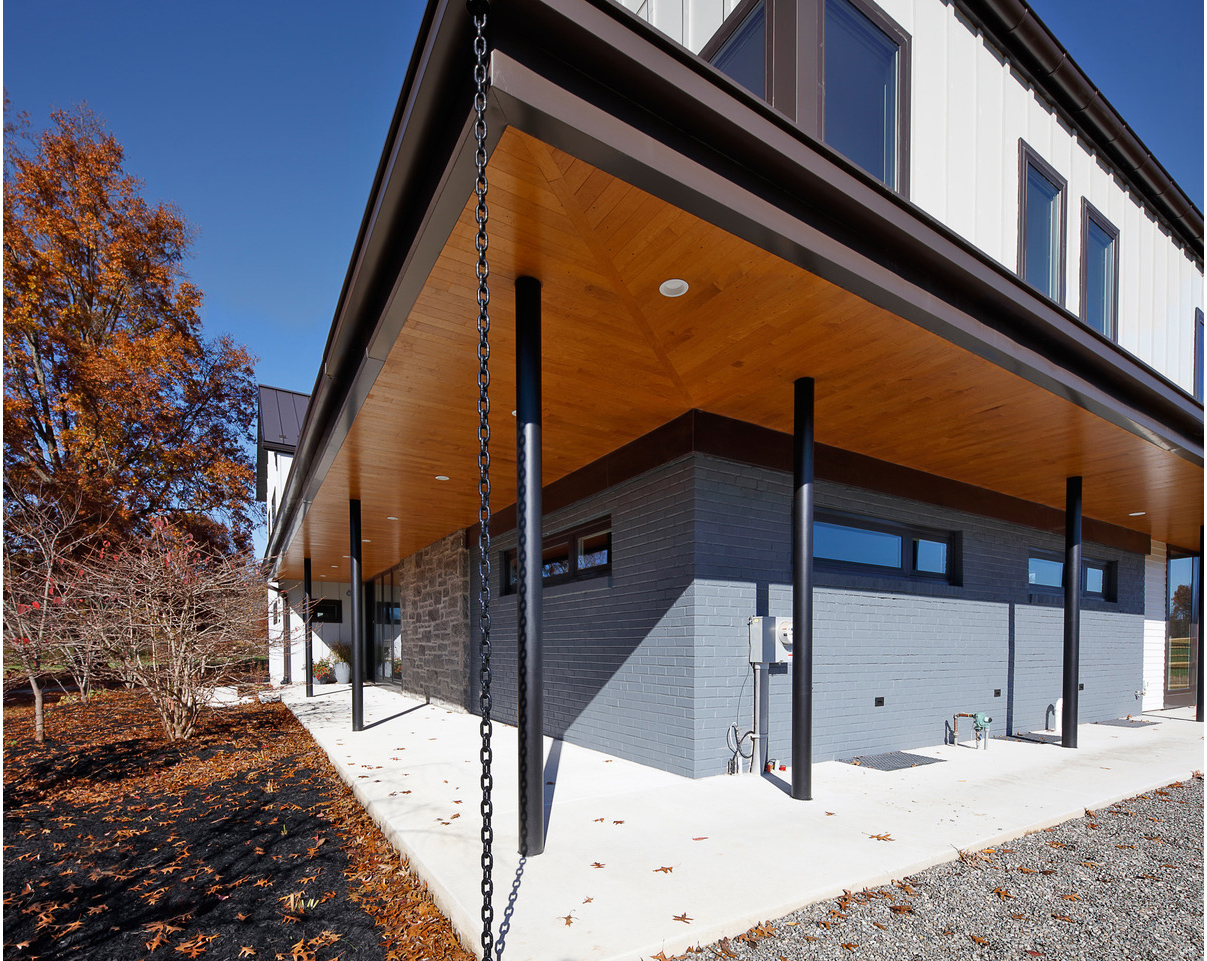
(575, 554)
(839, 69)
(1041, 224)
(743, 54)
(870, 545)
(1045, 574)
(1099, 272)
(327, 611)
(863, 80)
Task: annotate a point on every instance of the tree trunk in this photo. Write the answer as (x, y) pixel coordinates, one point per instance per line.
(39, 716)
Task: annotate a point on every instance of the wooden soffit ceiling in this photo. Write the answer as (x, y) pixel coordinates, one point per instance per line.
(620, 360)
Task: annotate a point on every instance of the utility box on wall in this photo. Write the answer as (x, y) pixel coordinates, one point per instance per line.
(770, 640)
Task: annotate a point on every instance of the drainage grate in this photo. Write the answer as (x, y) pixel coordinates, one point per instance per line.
(1127, 722)
(893, 761)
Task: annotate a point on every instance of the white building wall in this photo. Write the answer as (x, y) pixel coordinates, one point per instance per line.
(969, 109)
(1154, 628)
(323, 636)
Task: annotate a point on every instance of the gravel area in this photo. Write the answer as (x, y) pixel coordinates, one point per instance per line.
(1124, 882)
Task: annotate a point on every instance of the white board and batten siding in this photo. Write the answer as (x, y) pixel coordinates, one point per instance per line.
(969, 108)
(1154, 627)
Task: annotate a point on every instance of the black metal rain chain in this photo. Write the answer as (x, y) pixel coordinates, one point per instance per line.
(477, 10)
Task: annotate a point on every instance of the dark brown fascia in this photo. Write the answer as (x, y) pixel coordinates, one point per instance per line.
(1020, 34)
(859, 234)
(700, 432)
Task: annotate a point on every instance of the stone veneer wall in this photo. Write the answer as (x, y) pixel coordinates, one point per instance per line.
(433, 591)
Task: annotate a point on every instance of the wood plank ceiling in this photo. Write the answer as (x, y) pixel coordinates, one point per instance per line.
(620, 360)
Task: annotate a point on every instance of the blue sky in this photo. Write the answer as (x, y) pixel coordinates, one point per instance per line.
(264, 123)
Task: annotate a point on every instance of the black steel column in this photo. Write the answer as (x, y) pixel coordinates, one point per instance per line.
(369, 664)
(1072, 584)
(1198, 696)
(802, 590)
(528, 564)
(358, 619)
(308, 601)
(287, 677)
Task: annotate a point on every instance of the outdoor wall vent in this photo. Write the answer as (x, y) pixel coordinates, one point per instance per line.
(997, 692)
(1081, 687)
(880, 702)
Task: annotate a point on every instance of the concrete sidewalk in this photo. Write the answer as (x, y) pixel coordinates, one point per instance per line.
(638, 861)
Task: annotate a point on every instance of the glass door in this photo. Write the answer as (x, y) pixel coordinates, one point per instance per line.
(1181, 633)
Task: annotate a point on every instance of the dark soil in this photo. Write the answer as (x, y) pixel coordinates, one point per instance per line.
(241, 843)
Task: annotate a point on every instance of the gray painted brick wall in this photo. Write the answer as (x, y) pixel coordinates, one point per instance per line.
(650, 663)
(619, 650)
(930, 649)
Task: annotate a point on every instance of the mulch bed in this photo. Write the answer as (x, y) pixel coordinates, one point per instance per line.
(241, 843)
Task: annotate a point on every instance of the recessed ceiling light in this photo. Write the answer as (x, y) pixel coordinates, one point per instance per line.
(441, 477)
(346, 557)
(513, 413)
(673, 287)
(322, 575)
(391, 517)
(365, 540)
(1137, 513)
(335, 566)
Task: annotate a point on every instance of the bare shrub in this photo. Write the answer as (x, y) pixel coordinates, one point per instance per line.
(177, 620)
(41, 588)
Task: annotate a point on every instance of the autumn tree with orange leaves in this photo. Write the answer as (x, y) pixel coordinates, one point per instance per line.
(113, 400)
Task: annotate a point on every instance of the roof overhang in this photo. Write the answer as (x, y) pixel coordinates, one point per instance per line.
(926, 352)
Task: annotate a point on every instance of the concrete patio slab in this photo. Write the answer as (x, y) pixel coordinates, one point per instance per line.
(638, 861)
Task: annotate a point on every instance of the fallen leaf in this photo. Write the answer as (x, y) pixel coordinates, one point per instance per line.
(567, 918)
(246, 951)
(977, 940)
(850, 946)
(1063, 917)
(597, 865)
(684, 918)
(587, 900)
(881, 837)
(618, 822)
(1071, 897)
(663, 870)
(1002, 893)
(700, 839)
(901, 908)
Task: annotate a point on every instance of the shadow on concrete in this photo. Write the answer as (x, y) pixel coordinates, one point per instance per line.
(394, 717)
(509, 911)
(551, 765)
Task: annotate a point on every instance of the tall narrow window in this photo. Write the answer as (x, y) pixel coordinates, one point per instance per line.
(1099, 272)
(743, 55)
(1041, 225)
(863, 75)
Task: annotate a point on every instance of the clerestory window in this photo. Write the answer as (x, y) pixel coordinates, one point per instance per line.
(1041, 224)
(1099, 272)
